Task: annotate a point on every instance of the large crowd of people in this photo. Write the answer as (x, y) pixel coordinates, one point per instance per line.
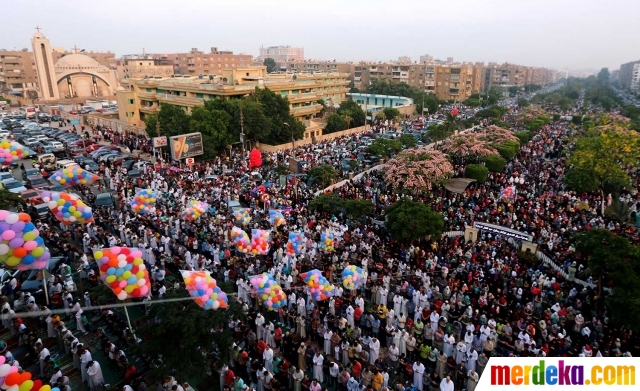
(429, 315)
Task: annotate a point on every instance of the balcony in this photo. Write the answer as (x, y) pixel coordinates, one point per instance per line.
(181, 100)
(306, 110)
(150, 109)
(306, 97)
(147, 95)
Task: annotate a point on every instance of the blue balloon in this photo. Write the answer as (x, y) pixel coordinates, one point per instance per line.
(128, 267)
(119, 272)
(28, 259)
(132, 280)
(111, 270)
(39, 240)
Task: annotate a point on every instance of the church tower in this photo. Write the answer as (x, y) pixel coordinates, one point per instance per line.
(44, 67)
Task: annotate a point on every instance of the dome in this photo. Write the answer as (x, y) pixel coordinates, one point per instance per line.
(78, 61)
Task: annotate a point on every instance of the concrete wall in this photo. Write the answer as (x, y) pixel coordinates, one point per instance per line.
(324, 137)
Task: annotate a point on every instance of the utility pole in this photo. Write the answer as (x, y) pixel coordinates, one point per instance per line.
(242, 128)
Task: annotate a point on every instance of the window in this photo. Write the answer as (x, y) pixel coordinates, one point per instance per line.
(132, 101)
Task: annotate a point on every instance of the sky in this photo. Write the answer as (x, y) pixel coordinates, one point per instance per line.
(559, 34)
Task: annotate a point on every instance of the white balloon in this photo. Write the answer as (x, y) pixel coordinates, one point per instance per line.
(122, 295)
(52, 204)
(12, 218)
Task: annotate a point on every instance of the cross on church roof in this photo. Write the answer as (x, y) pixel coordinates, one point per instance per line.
(75, 49)
(38, 28)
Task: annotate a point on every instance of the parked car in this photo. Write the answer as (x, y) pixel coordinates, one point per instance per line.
(29, 172)
(91, 165)
(104, 199)
(36, 182)
(13, 186)
(5, 175)
(31, 196)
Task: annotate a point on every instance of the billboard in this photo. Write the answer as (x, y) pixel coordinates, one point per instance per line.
(159, 142)
(186, 145)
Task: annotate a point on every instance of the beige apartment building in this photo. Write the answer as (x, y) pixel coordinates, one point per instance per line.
(140, 66)
(140, 97)
(281, 53)
(310, 66)
(197, 62)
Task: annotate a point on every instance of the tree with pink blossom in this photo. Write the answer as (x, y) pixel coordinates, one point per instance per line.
(467, 147)
(417, 170)
(496, 135)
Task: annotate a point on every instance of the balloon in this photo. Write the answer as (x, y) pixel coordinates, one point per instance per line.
(508, 194)
(260, 241)
(276, 218)
(194, 210)
(326, 241)
(201, 285)
(352, 277)
(242, 216)
(74, 175)
(114, 262)
(296, 244)
(320, 287)
(144, 201)
(21, 246)
(63, 205)
(275, 298)
(255, 158)
(241, 240)
(10, 151)
(454, 112)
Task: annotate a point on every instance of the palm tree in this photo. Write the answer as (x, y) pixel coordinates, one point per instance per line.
(451, 124)
(620, 211)
(9, 200)
(348, 120)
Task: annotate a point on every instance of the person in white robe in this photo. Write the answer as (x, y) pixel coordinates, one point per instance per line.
(327, 342)
(85, 358)
(318, 373)
(418, 375)
(374, 350)
(267, 356)
(472, 380)
(446, 384)
(350, 318)
(94, 375)
(461, 350)
(472, 358)
(259, 322)
(449, 340)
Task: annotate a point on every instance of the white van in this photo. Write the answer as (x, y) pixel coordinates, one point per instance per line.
(60, 164)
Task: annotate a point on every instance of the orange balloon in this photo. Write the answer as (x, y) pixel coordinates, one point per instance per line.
(19, 252)
(24, 217)
(113, 262)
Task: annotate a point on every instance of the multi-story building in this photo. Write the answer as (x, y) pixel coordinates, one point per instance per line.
(404, 60)
(281, 53)
(137, 66)
(141, 97)
(197, 62)
(635, 78)
(310, 66)
(18, 72)
(505, 75)
(625, 76)
(426, 58)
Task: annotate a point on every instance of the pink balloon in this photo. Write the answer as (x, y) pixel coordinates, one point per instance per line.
(8, 235)
(3, 214)
(30, 245)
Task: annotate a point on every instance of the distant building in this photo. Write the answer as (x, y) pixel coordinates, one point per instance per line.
(426, 58)
(140, 66)
(281, 53)
(196, 62)
(449, 60)
(627, 73)
(404, 60)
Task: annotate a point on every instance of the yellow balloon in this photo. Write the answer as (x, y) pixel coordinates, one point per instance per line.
(130, 288)
(110, 279)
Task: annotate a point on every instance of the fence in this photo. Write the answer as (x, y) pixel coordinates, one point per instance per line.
(307, 141)
(114, 124)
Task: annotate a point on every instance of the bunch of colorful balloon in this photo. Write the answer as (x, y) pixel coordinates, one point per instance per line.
(242, 216)
(241, 240)
(268, 290)
(327, 241)
(296, 243)
(260, 241)
(11, 151)
(319, 286)
(13, 379)
(352, 277)
(21, 246)
(508, 194)
(74, 175)
(204, 290)
(67, 208)
(123, 270)
(194, 210)
(144, 201)
(276, 218)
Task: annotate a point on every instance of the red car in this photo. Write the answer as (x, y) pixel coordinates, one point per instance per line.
(73, 112)
(83, 143)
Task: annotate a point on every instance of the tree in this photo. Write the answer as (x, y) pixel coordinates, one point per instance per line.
(276, 110)
(357, 209)
(417, 170)
(616, 262)
(178, 330)
(270, 63)
(380, 116)
(619, 211)
(351, 109)
(603, 76)
(451, 123)
(420, 98)
(408, 141)
(497, 135)
(327, 203)
(523, 102)
(323, 174)
(508, 149)
(335, 123)
(408, 220)
(384, 147)
(151, 125)
(465, 146)
(513, 90)
(495, 163)
(477, 172)
(214, 126)
(9, 200)
(391, 112)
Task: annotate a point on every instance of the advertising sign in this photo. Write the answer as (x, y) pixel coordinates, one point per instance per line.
(187, 145)
(159, 142)
(189, 161)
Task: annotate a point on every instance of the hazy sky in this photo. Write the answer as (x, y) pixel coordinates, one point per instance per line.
(552, 33)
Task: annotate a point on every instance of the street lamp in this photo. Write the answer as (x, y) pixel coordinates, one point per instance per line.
(293, 140)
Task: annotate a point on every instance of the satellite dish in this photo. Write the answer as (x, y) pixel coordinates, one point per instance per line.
(224, 79)
(146, 76)
(172, 76)
(210, 77)
(295, 77)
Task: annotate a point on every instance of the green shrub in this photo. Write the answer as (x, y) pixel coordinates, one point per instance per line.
(556, 117)
(509, 149)
(477, 172)
(524, 137)
(495, 163)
